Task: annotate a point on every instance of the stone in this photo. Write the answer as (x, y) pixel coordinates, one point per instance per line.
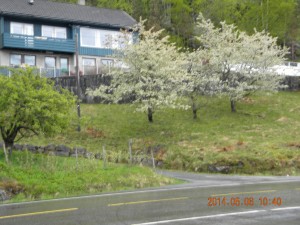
(31, 148)
(80, 152)
(219, 169)
(3, 196)
(89, 155)
(49, 148)
(18, 147)
(147, 162)
(98, 156)
(160, 163)
(240, 165)
(40, 149)
(62, 148)
(62, 153)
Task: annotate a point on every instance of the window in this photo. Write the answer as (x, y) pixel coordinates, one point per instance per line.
(89, 66)
(106, 65)
(89, 62)
(21, 28)
(64, 63)
(54, 32)
(107, 62)
(101, 38)
(17, 59)
(29, 60)
(89, 37)
(50, 62)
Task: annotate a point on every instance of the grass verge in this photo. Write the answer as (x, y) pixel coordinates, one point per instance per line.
(34, 176)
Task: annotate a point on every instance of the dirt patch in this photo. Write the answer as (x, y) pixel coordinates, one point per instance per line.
(95, 133)
(293, 145)
(229, 148)
(283, 120)
(248, 100)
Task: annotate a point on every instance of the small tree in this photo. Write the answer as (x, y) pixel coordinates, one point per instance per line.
(244, 62)
(30, 105)
(151, 71)
(201, 78)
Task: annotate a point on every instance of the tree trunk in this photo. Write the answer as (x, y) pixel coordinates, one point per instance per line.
(9, 146)
(8, 139)
(232, 104)
(150, 115)
(5, 153)
(194, 108)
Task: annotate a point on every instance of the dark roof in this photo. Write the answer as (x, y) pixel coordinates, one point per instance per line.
(65, 12)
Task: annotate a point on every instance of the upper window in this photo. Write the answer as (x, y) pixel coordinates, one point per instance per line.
(21, 28)
(101, 38)
(54, 32)
(89, 37)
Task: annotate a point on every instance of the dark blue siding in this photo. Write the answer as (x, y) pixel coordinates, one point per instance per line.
(6, 26)
(38, 43)
(95, 51)
(1, 31)
(37, 30)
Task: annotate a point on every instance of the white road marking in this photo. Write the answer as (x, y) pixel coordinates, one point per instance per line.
(236, 184)
(201, 217)
(215, 216)
(286, 208)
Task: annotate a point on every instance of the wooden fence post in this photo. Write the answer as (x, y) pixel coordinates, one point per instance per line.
(130, 151)
(104, 156)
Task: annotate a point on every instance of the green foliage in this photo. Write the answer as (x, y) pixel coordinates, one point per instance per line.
(178, 17)
(265, 129)
(30, 105)
(33, 176)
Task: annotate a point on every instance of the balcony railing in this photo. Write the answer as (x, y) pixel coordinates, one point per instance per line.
(57, 72)
(38, 43)
(44, 72)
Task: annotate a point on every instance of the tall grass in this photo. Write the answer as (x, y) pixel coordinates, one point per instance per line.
(34, 176)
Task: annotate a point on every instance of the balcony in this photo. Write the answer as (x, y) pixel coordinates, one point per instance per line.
(37, 43)
(43, 72)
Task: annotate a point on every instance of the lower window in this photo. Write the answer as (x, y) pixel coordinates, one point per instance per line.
(19, 59)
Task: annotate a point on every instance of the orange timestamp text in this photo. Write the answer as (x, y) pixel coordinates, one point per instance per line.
(244, 201)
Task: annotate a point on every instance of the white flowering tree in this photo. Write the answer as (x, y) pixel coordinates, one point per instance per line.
(244, 62)
(201, 78)
(150, 70)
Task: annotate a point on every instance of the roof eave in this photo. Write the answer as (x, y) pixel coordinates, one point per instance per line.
(73, 22)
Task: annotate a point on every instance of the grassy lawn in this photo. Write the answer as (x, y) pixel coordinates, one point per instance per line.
(263, 136)
(34, 176)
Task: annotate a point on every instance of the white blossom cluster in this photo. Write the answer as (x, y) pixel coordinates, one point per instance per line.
(153, 70)
(229, 61)
(242, 62)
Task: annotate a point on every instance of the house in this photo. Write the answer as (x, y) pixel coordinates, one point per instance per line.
(49, 35)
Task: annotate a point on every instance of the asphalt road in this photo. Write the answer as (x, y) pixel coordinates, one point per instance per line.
(206, 199)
